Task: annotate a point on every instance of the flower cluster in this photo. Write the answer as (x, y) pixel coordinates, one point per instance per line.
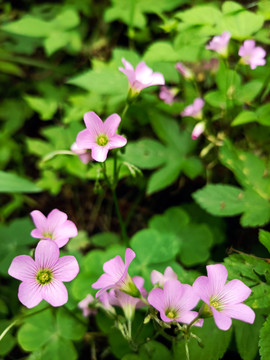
(174, 301)
(43, 277)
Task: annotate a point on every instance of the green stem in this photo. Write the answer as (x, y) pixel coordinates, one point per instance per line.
(7, 329)
(187, 349)
(192, 322)
(120, 219)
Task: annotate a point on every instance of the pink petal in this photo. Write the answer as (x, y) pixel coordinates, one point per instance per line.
(138, 281)
(66, 269)
(143, 72)
(170, 274)
(85, 158)
(217, 275)
(23, 268)
(30, 293)
(173, 291)
(55, 293)
(189, 299)
(222, 321)
(188, 316)
(65, 232)
(36, 233)
(249, 45)
(129, 256)
(202, 288)
(157, 79)
(197, 130)
(240, 312)
(104, 282)
(99, 153)
(197, 105)
(116, 141)
(235, 291)
(93, 123)
(115, 267)
(39, 220)
(86, 140)
(55, 218)
(130, 74)
(111, 124)
(46, 254)
(127, 65)
(156, 299)
(157, 277)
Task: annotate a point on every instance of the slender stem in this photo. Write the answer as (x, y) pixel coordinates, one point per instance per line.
(120, 219)
(144, 300)
(192, 322)
(129, 329)
(7, 329)
(187, 349)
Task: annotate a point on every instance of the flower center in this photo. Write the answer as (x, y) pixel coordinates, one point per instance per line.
(102, 140)
(171, 314)
(48, 234)
(44, 276)
(216, 304)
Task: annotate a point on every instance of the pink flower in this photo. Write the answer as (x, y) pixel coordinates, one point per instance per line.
(174, 302)
(159, 279)
(198, 130)
(85, 306)
(43, 277)
(220, 43)
(183, 70)
(224, 300)
(116, 276)
(141, 77)
(195, 109)
(84, 155)
(126, 302)
(251, 54)
(166, 95)
(53, 227)
(100, 136)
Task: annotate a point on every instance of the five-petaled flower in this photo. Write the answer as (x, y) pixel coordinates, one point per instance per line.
(194, 110)
(100, 136)
(140, 78)
(223, 300)
(43, 277)
(53, 227)
(116, 276)
(157, 278)
(251, 54)
(220, 43)
(174, 302)
(126, 302)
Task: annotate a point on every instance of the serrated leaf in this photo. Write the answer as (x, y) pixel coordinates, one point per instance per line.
(264, 343)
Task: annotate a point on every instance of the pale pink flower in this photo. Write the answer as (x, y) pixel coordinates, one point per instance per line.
(116, 275)
(100, 136)
(141, 77)
(183, 70)
(198, 130)
(220, 43)
(157, 278)
(126, 302)
(166, 95)
(43, 277)
(195, 109)
(224, 300)
(85, 306)
(54, 227)
(174, 302)
(84, 155)
(251, 54)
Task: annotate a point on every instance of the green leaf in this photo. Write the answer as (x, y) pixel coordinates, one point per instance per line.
(220, 200)
(11, 183)
(105, 239)
(264, 238)
(46, 107)
(171, 222)
(69, 326)
(153, 350)
(163, 177)
(247, 92)
(161, 51)
(216, 98)
(55, 41)
(257, 209)
(244, 117)
(200, 15)
(29, 26)
(199, 237)
(231, 6)
(215, 343)
(152, 247)
(264, 343)
(263, 113)
(67, 19)
(247, 337)
(58, 349)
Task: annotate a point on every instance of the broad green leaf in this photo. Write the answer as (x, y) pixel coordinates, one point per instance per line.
(220, 200)
(230, 7)
(217, 99)
(247, 92)
(244, 117)
(240, 24)
(58, 349)
(11, 183)
(153, 350)
(55, 41)
(172, 221)
(264, 238)
(161, 51)
(200, 15)
(247, 337)
(29, 26)
(69, 326)
(127, 12)
(263, 113)
(199, 237)
(46, 107)
(215, 342)
(153, 247)
(257, 209)
(164, 177)
(105, 239)
(67, 19)
(264, 343)
(145, 153)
